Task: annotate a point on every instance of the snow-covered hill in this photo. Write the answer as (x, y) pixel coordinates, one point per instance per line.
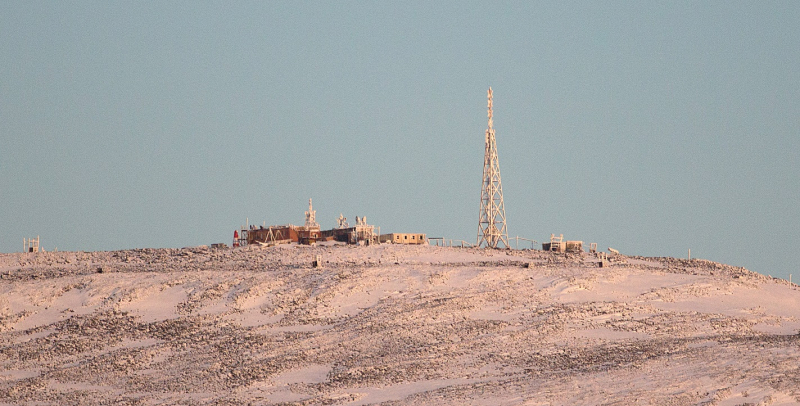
(395, 324)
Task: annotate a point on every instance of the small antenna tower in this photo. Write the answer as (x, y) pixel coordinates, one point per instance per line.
(311, 217)
(492, 230)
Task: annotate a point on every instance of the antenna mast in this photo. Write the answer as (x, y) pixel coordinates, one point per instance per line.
(311, 217)
(492, 222)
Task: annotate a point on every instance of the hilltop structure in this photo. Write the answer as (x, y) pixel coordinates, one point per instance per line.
(361, 233)
(492, 231)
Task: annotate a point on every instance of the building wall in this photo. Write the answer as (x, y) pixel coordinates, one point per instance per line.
(260, 234)
(308, 236)
(554, 246)
(338, 234)
(574, 246)
(563, 246)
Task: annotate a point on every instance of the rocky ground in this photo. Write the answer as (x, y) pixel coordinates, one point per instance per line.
(391, 325)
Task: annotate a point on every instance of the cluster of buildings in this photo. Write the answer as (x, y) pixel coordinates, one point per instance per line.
(310, 233)
(557, 244)
(492, 230)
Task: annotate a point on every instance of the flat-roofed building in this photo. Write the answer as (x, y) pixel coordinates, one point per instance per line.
(404, 238)
(557, 244)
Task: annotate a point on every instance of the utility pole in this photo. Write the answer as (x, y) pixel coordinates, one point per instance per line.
(492, 230)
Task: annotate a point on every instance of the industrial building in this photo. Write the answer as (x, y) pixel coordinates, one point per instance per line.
(309, 233)
(361, 233)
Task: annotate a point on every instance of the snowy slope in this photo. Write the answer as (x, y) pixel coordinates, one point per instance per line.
(403, 325)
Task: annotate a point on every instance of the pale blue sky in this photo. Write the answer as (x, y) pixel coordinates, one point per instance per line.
(650, 127)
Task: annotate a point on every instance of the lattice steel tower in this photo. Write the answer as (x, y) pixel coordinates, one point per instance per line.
(492, 230)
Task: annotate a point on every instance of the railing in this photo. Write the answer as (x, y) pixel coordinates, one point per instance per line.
(517, 238)
(443, 242)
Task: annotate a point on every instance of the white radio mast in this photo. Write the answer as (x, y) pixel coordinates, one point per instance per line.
(492, 222)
